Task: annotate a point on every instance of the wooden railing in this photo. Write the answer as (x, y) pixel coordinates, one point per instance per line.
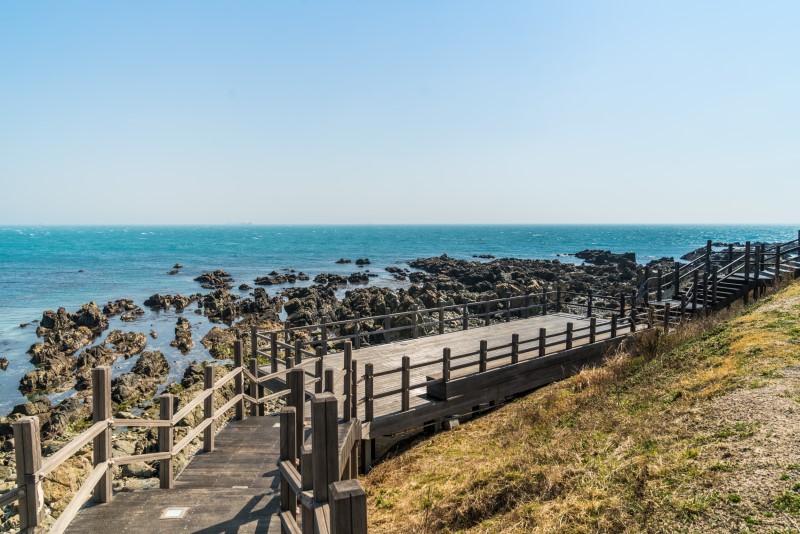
(321, 479)
(32, 468)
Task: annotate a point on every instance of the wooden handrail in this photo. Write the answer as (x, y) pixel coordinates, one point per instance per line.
(83, 439)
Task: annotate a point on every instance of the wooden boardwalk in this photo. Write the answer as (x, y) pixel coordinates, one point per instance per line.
(389, 356)
(233, 489)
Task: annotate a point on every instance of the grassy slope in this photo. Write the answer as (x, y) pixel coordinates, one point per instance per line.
(653, 441)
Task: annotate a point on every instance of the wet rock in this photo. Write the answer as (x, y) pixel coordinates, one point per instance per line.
(272, 279)
(219, 342)
(131, 315)
(65, 414)
(165, 302)
(330, 279)
(183, 336)
(173, 272)
(177, 266)
(126, 344)
(193, 374)
(484, 256)
(91, 317)
(3, 363)
(40, 406)
(119, 306)
(218, 279)
(88, 359)
(153, 334)
(244, 287)
(143, 380)
(358, 278)
(308, 305)
(344, 260)
(603, 257)
(362, 261)
(303, 277)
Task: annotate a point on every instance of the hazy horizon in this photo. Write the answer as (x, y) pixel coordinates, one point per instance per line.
(454, 112)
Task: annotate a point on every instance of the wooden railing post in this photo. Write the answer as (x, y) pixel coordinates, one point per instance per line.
(445, 370)
(558, 298)
(415, 330)
(324, 327)
(482, 355)
(208, 409)
(405, 384)
(592, 329)
(759, 260)
(683, 307)
(622, 304)
(387, 324)
(328, 381)
(324, 444)
(695, 289)
(101, 445)
(777, 262)
(255, 408)
(514, 348)
(568, 337)
(273, 352)
(544, 301)
(348, 379)
(526, 305)
(307, 484)
(613, 325)
(708, 256)
(238, 381)
(589, 305)
(348, 508)
(676, 281)
(705, 292)
(288, 453)
(730, 258)
(659, 281)
(367, 445)
(487, 314)
(714, 279)
(298, 352)
(508, 309)
(633, 319)
(441, 317)
(165, 412)
(465, 317)
(354, 390)
(318, 368)
(542, 341)
(296, 380)
(666, 317)
(28, 454)
(746, 265)
(357, 331)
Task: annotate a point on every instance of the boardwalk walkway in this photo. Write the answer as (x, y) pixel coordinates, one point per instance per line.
(233, 489)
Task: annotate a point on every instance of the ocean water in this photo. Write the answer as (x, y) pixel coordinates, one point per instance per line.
(45, 268)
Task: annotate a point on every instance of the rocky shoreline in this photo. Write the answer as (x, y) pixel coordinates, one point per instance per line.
(69, 345)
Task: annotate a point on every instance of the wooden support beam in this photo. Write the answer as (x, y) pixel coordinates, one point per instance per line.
(328, 380)
(666, 317)
(441, 317)
(166, 406)
(570, 328)
(318, 370)
(348, 508)
(296, 380)
(208, 409)
(101, 444)
(592, 329)
(659, 281)
(542, 341)
(28, 455)
(238, 382)
(354, 390)
(482, 356)
(514, 348)
(613, 325)
(695, 289)
(307, 484)
(387, 325)
(544, 301)
(487, 320)
(288, 453)
(255, 408)
(324, 444)
(465, 317)
(405, 384)
(348, 381)
(273, 351)
(558, 298)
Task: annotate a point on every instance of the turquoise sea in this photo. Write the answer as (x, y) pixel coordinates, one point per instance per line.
(47, 267)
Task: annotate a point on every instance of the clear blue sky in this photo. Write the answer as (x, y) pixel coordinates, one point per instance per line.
(399, 112)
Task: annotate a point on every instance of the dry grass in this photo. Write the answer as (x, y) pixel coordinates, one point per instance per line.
(616, 448)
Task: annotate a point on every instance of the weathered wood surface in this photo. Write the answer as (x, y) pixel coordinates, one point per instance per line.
(233, 489)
